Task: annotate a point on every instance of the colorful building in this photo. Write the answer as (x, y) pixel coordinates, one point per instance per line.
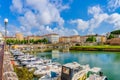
(19, 36)
(114, 41)
(1, 38)
(75, 39)
(64, 39)
(52, 38)
(100, 39)
(10, 38)
(33, 37)
(83, 39)
(103, 39)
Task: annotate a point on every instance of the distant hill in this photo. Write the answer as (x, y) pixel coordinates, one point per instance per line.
(115, 32)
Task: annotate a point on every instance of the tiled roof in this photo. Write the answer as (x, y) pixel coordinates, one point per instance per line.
(64, 37)
(115, 41)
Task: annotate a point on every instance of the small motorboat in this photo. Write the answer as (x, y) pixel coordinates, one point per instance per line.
(50, 76)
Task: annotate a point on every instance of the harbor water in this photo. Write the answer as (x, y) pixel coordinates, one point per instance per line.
(109, 62)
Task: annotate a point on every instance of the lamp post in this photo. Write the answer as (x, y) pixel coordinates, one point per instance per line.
(5, 22)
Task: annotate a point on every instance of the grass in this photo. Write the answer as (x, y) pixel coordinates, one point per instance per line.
(98, 47)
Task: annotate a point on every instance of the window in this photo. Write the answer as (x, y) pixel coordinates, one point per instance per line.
(65, 70)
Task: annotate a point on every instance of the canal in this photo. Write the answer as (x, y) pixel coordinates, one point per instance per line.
(109, 62)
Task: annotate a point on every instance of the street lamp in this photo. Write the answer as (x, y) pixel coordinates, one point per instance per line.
(5, 22)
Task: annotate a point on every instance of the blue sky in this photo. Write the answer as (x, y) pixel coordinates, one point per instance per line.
(65, 17)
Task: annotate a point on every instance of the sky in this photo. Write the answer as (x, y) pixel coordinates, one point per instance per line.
(64, 17)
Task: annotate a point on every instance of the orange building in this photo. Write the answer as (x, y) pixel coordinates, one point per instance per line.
(33, 37)
(75, 39)
(103, 39)
(10, 38)
(83, 39)
(19, 36)
(114, 41)
(64, 39)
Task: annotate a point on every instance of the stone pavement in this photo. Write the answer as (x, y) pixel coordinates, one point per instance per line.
(6, 67)
(1, 60)
(8, 70)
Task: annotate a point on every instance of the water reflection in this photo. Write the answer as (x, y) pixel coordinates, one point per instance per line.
(108, 61)
(117, 57)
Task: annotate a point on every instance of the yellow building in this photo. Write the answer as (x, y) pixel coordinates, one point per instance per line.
(83, 39)
(75, 39)
(33, 37)
(19, 36)
(10, 38)
(64, 39)
(103, 39)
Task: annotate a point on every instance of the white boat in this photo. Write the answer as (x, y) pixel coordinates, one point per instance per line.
(34, 64)
(41, 71)
(50, 76)
(96, 77)
(47, 68)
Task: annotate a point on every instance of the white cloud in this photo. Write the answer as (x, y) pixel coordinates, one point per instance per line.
(75, 32)
(1, 29)
(9, 30)
(114, 19)
(65, 31)
(96, 21)
(113, 4)
(95, 10)
(28, 20)
(81, 25)
(38, 13)
(59, 4)
(98, 18)
(17, 6)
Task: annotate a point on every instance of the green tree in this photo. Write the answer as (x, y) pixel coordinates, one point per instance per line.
(91, 39)
(45, 41)
(111, 36)
(31, 41)
(115, 32)
(23, 73)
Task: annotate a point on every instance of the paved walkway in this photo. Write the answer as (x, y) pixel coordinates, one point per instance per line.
(1, 60)
(8, 70)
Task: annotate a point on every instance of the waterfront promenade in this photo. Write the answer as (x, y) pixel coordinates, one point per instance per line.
(8, 70)
(1, 60)
(6, 67)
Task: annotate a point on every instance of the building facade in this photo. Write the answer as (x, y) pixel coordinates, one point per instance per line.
(52, 38)
(10, 38)
(19, 36)
(64, 39)
(83, 39)
(33, 37)
(101, 39)
(72, 39)
(114, 41)
(1, 38)
(75, 39)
